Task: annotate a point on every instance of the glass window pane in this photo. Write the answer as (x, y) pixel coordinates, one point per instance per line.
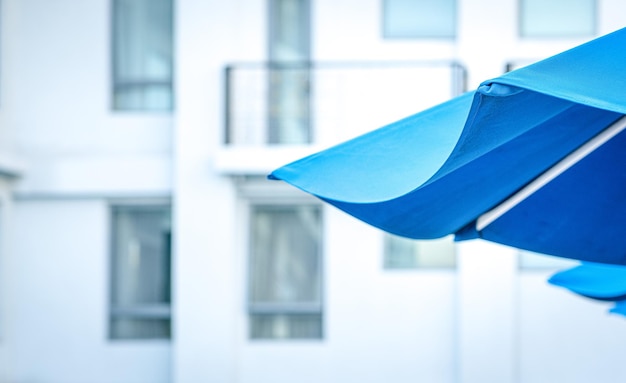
(289, 84)
(142, 43)
(400, 253)
(143, 97)
(289, 105)
(404, 253)
(141, 257)
(298, 326)
(289, 30)
(575, 18)
(419, 18)
(285, 271)
(285, 262)
(131, 328)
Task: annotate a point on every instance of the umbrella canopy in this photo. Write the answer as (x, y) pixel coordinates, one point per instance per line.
(596, 281)
(532, 159)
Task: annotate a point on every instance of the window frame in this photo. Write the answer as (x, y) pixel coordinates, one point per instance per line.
(419, 265)
(145, 83)
(258, 191)
(556, 36)
(420, 36)
(290, 76)
(153, 311)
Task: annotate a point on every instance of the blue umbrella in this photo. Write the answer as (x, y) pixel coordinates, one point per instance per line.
(596, 281)
(533, 159)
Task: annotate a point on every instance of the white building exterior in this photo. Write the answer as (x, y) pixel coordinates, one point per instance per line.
(67, 157)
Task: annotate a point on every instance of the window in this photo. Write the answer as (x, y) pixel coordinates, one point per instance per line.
(140, 272)
(557, 18)
(404, 253)
(285, 277)
(289, 74)
(419, 18)
(142, 55)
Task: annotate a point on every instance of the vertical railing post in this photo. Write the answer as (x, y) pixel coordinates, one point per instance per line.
(459, 79)
(227, 105)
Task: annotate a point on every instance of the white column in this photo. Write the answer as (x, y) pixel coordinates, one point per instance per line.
(486, 313)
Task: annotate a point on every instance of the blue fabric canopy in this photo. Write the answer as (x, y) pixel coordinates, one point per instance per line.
(437, 172)
(596, 281)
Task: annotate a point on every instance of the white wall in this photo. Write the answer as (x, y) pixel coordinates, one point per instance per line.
(55, 116)
(483, 323)
(564, 337)
(487, 317)
(205, 293)
(393, 325)
(486, 322)
(59, 300)
(56, 98)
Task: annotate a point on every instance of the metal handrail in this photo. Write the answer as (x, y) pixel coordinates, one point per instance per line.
(458, 73)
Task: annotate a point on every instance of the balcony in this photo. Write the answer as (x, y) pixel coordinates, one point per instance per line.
(275, 112)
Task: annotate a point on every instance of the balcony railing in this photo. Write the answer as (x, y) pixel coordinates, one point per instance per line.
(321, 103)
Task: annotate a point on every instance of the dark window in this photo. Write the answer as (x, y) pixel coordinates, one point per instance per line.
(142, 55)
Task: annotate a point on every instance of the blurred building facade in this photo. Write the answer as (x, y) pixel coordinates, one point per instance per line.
(141, 242)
